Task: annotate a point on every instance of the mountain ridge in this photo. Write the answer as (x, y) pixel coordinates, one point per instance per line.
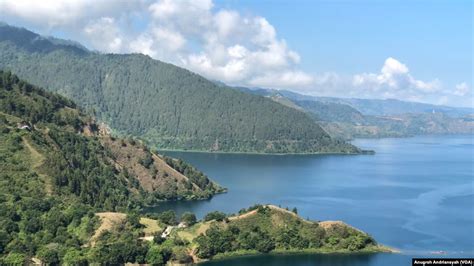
(168, 106)
(358, 103)
(374, 118)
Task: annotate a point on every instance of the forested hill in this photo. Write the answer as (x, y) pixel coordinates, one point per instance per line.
(45, 139)
(169, 107)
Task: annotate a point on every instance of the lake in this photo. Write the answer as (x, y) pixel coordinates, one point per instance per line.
(415, 194)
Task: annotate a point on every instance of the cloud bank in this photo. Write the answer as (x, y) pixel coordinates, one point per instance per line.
(395, 81)
(220, 44)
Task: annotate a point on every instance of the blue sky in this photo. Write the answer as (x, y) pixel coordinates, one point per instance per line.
(410, 50)
(433, 37)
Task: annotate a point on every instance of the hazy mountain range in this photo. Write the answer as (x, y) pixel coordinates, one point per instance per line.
(350, 117)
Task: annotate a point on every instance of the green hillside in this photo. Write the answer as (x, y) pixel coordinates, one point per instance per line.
(57, 167)
(270, 229)
(169, 107)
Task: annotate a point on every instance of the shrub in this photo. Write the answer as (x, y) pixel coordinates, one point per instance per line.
(188, 218)
(215, 215)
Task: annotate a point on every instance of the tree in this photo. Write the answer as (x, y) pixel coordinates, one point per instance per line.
(4, 239)
(14, 258)
(168, 217)
(74, 257)
(154, 256)
(265, 245)
(133, 219)
(188, 218)
(181, 255)
(295, 210)
(48, 255)
(215, 215)
(147, 161)
(205, 249)
(157, 239)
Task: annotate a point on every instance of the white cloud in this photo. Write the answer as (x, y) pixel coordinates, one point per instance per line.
(173, 41)
(284, 79)
(144, 45)
(394, 76)
(104, 35)
(65, 13)
(227, 22)
(393, 81)
(462, 89)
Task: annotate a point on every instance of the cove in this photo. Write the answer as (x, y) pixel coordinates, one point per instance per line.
(415, 194)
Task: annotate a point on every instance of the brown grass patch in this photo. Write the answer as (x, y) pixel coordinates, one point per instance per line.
(108, 221)
(151, 226)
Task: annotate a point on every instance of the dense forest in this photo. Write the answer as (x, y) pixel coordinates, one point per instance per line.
(169, 107)
(57, 169)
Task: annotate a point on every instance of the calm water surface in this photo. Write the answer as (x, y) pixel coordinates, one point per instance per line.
(414, 194)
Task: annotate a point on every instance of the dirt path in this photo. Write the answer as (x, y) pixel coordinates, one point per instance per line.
(247, 214)
(329, 224)
(37, 160)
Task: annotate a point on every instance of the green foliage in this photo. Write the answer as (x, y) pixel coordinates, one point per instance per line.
(15, 259)
(48, 254)
(166, 105)
(215, 215)
(168, 217)
(155, 256)
(219, 240)
(147, 161)
(119, 248)
(181, 255)
(157, 239)
(195, 176)
(133, 219)
(188, 218)
(268, 229)
(74, 256)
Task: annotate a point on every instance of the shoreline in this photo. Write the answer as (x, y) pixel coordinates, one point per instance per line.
(224, 190)
(362, 152)
(284, 252)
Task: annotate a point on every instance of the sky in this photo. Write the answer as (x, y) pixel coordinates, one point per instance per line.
(416, 50)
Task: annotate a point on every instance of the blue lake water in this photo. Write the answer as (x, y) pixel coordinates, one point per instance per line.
(415, 194)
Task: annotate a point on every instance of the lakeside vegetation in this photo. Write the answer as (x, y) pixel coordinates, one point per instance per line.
(270, 229)
(118, 238)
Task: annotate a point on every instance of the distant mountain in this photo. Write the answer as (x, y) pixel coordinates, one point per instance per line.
(396, 107)
(380, 107)
(169, 107)
(351, 118)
